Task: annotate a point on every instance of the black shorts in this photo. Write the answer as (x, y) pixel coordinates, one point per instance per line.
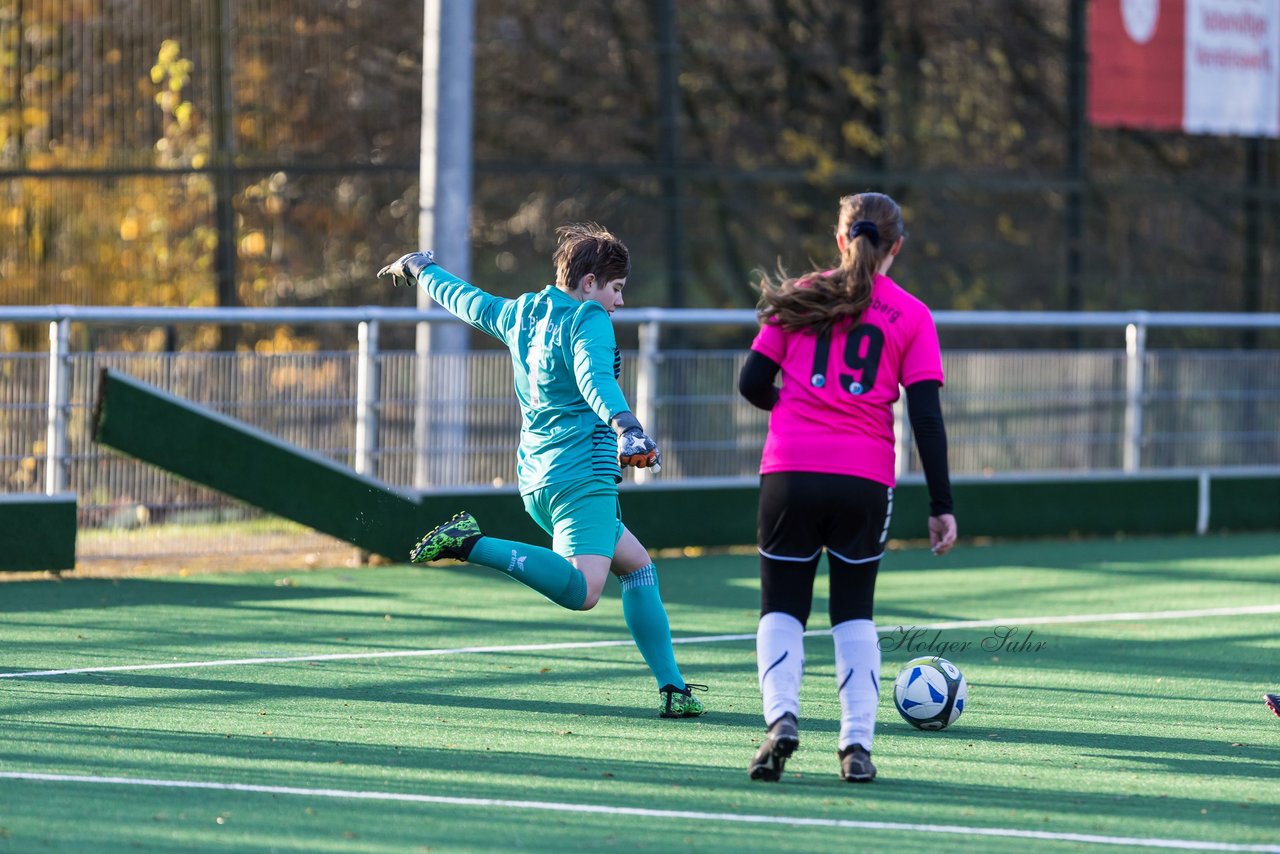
(803, 513)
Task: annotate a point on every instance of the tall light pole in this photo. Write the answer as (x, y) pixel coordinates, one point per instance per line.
(448, 47)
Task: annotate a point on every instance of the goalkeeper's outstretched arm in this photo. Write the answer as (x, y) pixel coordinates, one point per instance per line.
(465, 301)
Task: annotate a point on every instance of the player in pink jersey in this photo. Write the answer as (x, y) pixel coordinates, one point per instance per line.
(845, 341)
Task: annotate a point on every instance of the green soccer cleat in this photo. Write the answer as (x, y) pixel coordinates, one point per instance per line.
(781, 741)
(453, 539)
(680, 702)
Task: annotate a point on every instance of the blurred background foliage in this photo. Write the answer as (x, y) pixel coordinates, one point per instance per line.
(265, 152)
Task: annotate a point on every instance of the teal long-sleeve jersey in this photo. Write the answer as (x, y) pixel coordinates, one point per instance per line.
(566, 364)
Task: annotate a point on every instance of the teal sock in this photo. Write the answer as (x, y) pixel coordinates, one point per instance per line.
(647, 619)
(536, 567)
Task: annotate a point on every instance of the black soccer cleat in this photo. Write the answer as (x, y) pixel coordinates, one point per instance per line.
(779, 743)
(1273, 702)
(855, 765)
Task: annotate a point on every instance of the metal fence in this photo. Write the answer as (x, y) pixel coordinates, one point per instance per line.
(1119, 407)
(187, 153)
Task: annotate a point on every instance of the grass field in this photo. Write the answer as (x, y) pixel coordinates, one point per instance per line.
(402, 709)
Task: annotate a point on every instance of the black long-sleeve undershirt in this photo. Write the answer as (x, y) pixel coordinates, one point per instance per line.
(924, 409)
(755, 380)
(925, 413)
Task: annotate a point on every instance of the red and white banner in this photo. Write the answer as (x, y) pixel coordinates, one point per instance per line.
(1201, 66)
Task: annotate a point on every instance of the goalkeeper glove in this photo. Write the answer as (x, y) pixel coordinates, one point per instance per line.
(635, 448)
(405, 269)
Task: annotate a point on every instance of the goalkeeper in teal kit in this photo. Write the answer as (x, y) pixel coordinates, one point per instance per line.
(576, 431)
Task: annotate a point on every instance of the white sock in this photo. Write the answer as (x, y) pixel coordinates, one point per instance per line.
(857, 680)
(780, 663)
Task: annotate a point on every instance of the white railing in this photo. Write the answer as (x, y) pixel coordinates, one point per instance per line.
(1122, 408)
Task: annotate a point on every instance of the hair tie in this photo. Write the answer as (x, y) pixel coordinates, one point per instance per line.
(867, 227)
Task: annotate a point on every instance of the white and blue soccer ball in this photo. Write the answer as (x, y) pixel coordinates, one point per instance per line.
(930, 693)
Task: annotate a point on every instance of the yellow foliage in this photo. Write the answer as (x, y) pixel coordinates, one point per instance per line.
(34, 117)
(798, 148)
(203, 338)
(861, 86)
(1006, 229)
(169, 51)
(25, 474)
(858, 135)
(254, 69)
(253, 244)
(283, 341)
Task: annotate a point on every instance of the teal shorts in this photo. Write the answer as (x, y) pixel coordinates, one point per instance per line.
(583, 517)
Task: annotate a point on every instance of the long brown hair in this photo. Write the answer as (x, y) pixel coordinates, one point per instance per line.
(872, 224)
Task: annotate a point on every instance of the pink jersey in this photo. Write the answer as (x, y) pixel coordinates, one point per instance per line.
(835, 408)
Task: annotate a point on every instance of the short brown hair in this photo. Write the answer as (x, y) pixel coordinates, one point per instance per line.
(586, 247)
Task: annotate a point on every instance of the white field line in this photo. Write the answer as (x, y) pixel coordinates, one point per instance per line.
(1123, 616)
(640, 812)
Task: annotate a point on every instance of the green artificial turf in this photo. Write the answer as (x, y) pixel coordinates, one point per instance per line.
(1145, 728)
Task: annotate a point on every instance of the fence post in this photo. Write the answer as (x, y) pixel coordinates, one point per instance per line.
(59, 405)
(1135, 347)
(1202, 505)
(368, 384)
(647, 384)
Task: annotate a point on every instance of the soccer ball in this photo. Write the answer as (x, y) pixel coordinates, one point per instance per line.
(930, 692)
